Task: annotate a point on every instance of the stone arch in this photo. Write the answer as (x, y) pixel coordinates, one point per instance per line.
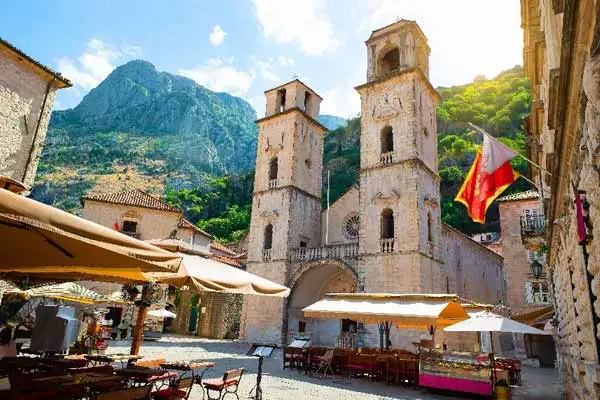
(309, 284)
(388, 59)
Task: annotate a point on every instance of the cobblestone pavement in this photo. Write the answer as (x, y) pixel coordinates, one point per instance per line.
(279, 384)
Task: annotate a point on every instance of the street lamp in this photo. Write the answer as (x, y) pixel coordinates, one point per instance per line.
(536, 268)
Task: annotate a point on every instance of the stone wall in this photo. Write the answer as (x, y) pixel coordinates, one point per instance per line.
(517, 269)
(474, 272)
(345, 207)
(22, 93)
(151, 224)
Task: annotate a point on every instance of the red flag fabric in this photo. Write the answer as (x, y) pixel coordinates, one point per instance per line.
(116, 226)
(490, 174)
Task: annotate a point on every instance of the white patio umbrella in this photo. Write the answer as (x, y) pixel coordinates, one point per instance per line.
(162, 313)
(489, 322)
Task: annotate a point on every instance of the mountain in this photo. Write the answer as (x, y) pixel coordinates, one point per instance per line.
(332, 122)
(142, 127)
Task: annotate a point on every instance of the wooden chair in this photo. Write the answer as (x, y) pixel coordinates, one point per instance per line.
(181, 391)
(325, 363)
(228, 384)
(136, 393)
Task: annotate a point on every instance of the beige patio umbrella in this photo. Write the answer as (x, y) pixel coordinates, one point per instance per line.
(201, 274)
(45, 242)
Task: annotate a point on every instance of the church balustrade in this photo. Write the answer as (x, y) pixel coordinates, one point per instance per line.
(349, 250)
(387, 245)
(386, 158)
(273, 183)
(266, 255)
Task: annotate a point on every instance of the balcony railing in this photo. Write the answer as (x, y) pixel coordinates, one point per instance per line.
(272, 183)
(136, 235)
(387, 245)
(266, 255)
(533, 225)
(349, 250)
(386, 158)
(537, 292)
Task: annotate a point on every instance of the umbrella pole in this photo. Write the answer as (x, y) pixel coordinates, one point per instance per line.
(138, 330)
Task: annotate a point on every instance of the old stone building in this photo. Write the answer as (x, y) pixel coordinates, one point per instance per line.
(384, 235)
(27, 93)
(562, 60)
(147, 218)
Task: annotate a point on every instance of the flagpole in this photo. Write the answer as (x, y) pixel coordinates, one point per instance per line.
(327, 215)
(480, 130)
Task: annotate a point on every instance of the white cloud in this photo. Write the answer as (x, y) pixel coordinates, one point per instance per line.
(96, 63)
(217, 36)
(265, 67)
(259, 103)
(341, 102)
(285, 61)
(221, 75)
(464, 40)
(302, 22)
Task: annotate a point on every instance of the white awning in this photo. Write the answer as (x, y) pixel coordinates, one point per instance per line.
(404, 310)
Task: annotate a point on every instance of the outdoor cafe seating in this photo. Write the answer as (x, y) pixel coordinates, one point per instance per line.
(392, 366)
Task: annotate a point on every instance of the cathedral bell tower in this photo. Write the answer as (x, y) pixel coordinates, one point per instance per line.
(286, 204)
(399, 200)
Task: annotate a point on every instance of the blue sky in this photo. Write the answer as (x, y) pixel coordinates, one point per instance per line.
(247, 46)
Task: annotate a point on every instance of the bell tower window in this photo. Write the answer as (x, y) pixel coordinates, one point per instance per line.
(390, 61)
(306, 101)
(429, 228)
(273, 171)
(387, 224)
(268, 242)
(281, 100)
(387, 139)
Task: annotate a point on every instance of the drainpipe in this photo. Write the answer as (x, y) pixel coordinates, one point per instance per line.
(37, 128)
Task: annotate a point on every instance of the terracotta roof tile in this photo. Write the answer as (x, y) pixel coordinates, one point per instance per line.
(226, 260)
(221, 247)
(528, 195)
(136, 198)
(186, 224)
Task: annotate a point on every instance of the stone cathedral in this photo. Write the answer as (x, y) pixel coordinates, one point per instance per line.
(384, 235)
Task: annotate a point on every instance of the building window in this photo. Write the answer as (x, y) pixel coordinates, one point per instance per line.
(390, 61)
(273, 168)
(425, 132)
(352, 226)
(301, 326)
(537, 292)
(429, 227)
(306, 101)
(387, 139)
(268, 242)
(447, 285)
(387, 224)
(129, 227)
(281, 100)
(303, 244)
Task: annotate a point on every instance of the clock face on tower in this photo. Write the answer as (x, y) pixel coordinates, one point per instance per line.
(386, 105)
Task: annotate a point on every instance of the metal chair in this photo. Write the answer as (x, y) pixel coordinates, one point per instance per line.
(325, 363)
(181, 391)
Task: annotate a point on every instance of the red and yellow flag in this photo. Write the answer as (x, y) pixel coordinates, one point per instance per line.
(490, 174)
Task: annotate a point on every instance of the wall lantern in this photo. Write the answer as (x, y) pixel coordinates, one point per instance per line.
(536, 268)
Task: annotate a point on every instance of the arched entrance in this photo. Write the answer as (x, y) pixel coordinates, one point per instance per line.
(309, 284)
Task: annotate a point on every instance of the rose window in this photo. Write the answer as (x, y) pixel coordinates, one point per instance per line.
(352, 226)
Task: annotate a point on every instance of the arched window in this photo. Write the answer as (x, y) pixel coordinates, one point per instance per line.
(429, 227)
(387, 224)
(268, 243)
(390, 61)
(273, 168)
(387, 139)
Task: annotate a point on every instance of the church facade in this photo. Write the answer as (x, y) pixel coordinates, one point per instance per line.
(384, 235)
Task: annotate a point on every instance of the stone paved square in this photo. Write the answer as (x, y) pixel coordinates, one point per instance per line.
(542, 384)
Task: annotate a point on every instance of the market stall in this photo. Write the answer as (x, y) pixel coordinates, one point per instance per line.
(457, 371)
(467, 373)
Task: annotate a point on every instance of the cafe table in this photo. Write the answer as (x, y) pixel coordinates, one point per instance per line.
(143, 375)
(112, 358)
(184, 367)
